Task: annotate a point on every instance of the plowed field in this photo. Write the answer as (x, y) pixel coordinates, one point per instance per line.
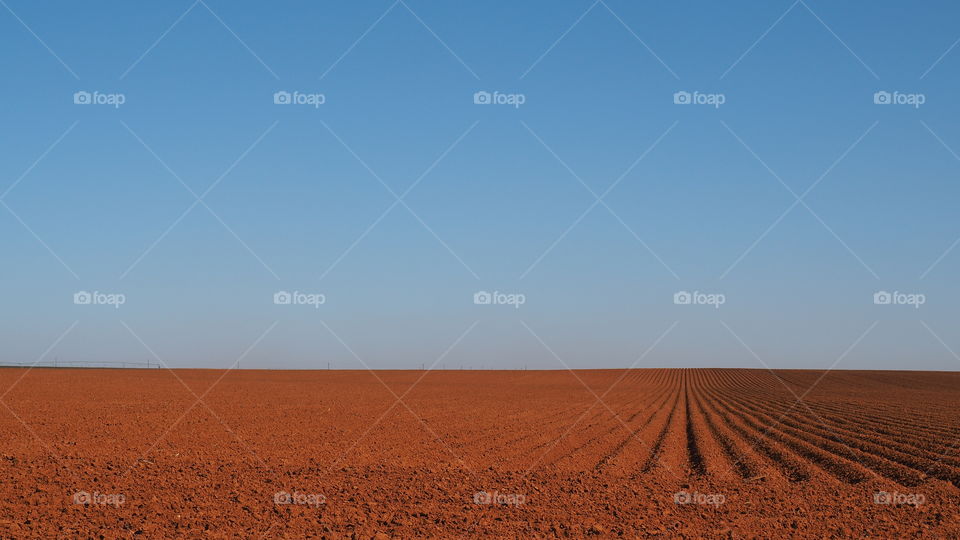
(356, 454)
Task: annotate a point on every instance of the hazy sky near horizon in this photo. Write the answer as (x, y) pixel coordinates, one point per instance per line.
(788, 189)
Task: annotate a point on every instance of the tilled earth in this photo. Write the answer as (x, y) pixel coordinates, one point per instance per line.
(456, 454)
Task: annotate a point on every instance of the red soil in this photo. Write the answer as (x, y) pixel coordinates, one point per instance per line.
(479, 453)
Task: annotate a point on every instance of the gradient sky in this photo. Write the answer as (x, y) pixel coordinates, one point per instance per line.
(94, 196)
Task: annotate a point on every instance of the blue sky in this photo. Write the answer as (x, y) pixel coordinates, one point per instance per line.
(694, 197)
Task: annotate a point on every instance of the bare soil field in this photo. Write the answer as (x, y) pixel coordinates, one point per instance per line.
(460, 454)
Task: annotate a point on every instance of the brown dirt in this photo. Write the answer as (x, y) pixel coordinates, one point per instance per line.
(736, 444)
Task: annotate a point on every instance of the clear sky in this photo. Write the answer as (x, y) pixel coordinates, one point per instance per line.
(786, 189)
